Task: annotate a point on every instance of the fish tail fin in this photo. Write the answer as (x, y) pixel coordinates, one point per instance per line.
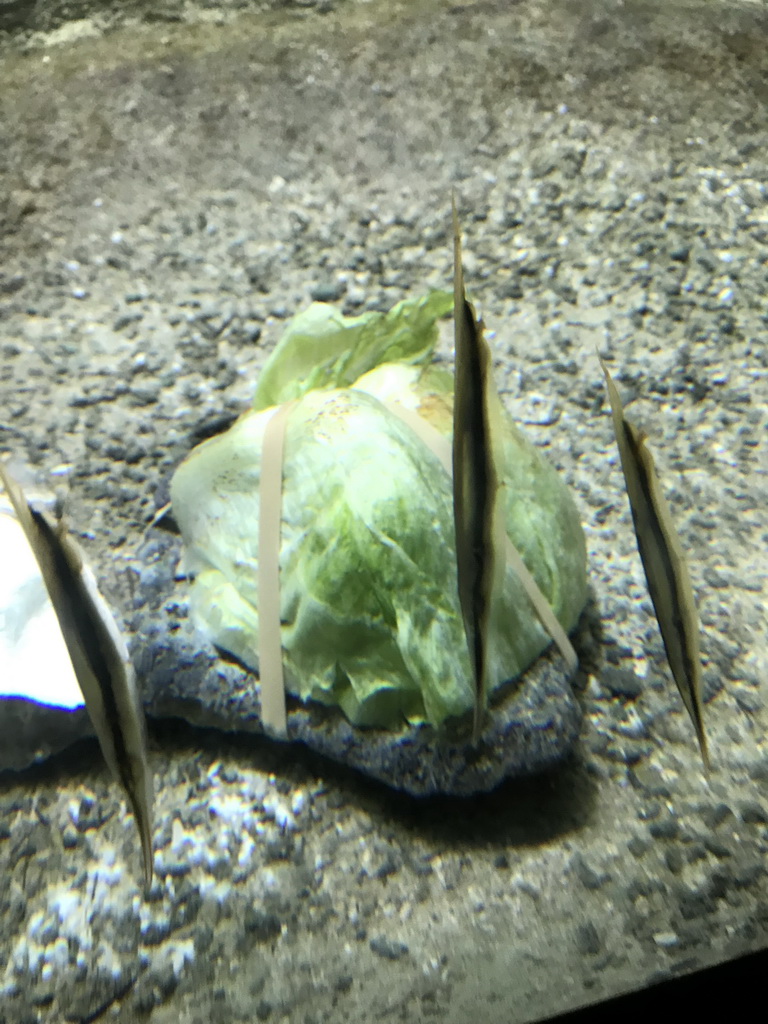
(143, 818)
(701, 737)
(148, 854)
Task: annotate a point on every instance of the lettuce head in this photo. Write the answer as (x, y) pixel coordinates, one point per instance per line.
(369, 604)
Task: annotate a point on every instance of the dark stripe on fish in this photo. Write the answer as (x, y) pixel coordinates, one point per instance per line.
(478, 496)
(90, 633)
(660, 548)
(99, 657)
(664, 563)
(475, 482)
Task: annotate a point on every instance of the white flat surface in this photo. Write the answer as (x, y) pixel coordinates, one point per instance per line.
(34, 662)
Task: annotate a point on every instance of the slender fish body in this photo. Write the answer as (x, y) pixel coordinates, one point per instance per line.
(99, 657)
(475, 482)
(664, 562)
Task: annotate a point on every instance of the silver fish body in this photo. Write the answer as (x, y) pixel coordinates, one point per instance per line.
(664, 563)
(99, 657)
(475, 482)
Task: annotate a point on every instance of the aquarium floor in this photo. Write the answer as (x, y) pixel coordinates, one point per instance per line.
(170, 192)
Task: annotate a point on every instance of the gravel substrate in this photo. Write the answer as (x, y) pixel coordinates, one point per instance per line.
(169, 194)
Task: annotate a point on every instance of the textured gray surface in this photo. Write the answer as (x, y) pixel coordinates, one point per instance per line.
(169, 197)
(531, 728)
(31, 732)
(533, 724)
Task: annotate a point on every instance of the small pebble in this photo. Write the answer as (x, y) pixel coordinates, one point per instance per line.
(388, 949)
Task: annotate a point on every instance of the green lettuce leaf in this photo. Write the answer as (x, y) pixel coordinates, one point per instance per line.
(368, 599)
(369, 605)
(321, 348)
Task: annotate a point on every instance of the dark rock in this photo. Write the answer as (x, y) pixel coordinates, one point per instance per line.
(626, 751)
(155, 932)
(696, 851)
(748, 873)
(748, 701)
(280, 847)
(11, 283)
(717, 848)
(711, 685)
(221, 868)
(621, 682)
(533, 725)
(643, 886)
(154, 987)
(186, 909)
(695, 903)
(588, 877)
(174, 869)
(31, 732)
(41, 995)
(422, 868)
(144, 394)
(262, 925)
(327, 291)
(714, 816)
(260, 274)
(753, 814)
(588, 942)
(718, 885)
(389, 866)
(510, 289)
(49, 933)
(674, 860)
(87, 1002)
(69, 837)
(203, 938)
(389, 950)
(666, 829)
(649, 780)
(638, 847)
(125, 319)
